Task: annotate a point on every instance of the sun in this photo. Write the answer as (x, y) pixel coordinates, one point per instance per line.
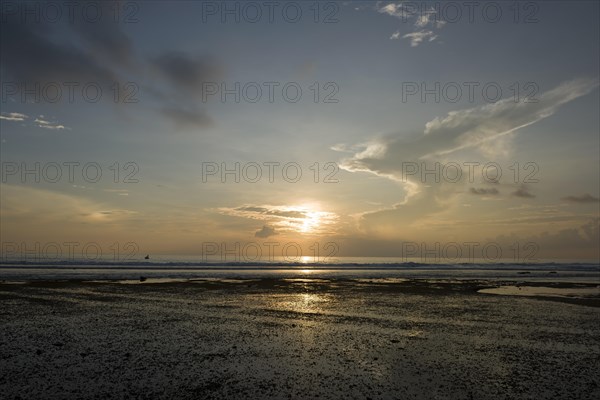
(311, 222)
(306, 218)
(305, 259)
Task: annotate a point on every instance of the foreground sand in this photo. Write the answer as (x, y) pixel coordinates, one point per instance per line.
(294, 339)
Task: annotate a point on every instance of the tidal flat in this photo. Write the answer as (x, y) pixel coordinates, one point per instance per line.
(296, 338)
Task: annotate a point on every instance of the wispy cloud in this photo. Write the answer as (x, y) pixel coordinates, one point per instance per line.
(40, 121)
(416, 38)
(13, 116)
(469, 128)
(472, 128)
(45, 124)
(424, 21)
(35, 206)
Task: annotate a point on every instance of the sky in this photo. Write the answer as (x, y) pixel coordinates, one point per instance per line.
(355, 128)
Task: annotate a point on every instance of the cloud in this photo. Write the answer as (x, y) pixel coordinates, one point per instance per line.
(423, 20)
(107, 215)
(344, 148)
(39, 122)
(119, 192)
(265, 232)
(185, 76)
(473, 129)
(185, 72)
(13, 116)
(408, 12)
(98, 53)
(394, 10)
(483, 191)
(185, 119)
(416, 38)
(419, 17)
(523, 192)
(42, 123)
(105, 37)
(284, 212)
(475, 126)
(462, 129)
(22, 205)
(287, 219)
(429, 17)
(38, 215)
(260, 212)
(45, 61)
(584, 198)
(581, 241)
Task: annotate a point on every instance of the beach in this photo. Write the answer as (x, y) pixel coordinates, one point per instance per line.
(313, 200)
(298, 338)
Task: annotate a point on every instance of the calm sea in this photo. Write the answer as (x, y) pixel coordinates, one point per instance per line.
(194, 267)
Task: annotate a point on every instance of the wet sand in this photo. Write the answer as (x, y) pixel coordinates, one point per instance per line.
(305, 338)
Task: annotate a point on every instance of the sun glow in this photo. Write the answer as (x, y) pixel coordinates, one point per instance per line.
(312, 221)
(304, 218)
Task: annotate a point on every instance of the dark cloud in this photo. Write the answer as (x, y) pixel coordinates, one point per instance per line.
(287, 214)
(483, 191)
(28, 55)
(101, 37)
(185, 72)
(184, 119)
(274, 212)
(252, 209)
(32, 53)
(265, 232)
(105, 38)
(184, 76)
(584, 198)
(523, 192)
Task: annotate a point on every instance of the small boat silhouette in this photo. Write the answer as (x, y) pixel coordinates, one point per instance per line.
(147, 257)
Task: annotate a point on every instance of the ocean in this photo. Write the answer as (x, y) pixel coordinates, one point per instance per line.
(195, 267)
